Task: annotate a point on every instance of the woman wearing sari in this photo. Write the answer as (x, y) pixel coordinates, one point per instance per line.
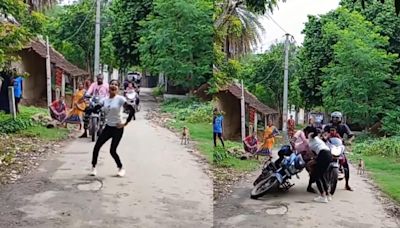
(269, 139)
(75, 116)
(58, 110)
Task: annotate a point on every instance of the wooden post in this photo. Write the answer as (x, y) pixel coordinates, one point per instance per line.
(255, 121)
(11, 100)
(63, 85)
(74, 82)
(265, 121)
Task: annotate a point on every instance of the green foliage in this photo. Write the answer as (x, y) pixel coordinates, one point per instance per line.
(125, 29)
(191, 111)
(385, 147)
(263, 74)
(355, 80)
(13, 37)
(71, 31)
(315, 54)
(220, 154)
(13, 126)
(177, 40)
(391, 122)
(158, 91)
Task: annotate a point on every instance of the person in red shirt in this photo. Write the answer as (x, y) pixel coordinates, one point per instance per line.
(291, 125)
(251, 143)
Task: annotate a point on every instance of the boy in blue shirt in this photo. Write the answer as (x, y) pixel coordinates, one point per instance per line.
(17, 90)
(218, 127)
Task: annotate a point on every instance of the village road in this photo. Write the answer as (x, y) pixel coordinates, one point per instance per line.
(296, 209)
(164, 186)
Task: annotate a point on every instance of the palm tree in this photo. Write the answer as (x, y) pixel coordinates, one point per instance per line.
(237, 26)
(39, 5)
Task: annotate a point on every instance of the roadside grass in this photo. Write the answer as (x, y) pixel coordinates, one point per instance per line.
(24, 126)
(381, 160)
(185, 114)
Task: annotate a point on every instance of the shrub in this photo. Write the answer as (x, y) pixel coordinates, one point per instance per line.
(391, 122)
(191, 110)
(387, 147)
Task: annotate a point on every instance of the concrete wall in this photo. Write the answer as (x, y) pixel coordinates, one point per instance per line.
(230, 106)
(35, 85)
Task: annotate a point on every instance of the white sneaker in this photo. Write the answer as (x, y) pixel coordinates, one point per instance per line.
(321, 199)
(329, 198)
(93, 172)
(121, 172)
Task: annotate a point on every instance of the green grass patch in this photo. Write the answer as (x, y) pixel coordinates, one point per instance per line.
(382, 160)
(197, 117)
(49, 134)
(24, 125)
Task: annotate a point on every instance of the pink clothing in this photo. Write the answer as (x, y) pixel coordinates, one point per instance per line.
(98, 90)
(301, 143)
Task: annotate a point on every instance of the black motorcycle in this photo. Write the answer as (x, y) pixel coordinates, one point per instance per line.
(96, 117)
(278, 177)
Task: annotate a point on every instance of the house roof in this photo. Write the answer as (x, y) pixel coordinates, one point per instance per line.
(249, 99)
(58, 59)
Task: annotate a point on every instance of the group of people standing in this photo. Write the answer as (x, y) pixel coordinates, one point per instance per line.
(7, 79)
(311, 142)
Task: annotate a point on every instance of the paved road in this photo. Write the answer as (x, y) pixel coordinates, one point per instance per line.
(164, 186)
(296, 209)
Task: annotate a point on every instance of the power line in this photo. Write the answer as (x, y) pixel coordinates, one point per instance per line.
(276, 23)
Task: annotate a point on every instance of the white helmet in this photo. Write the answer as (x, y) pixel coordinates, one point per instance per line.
(336, 115)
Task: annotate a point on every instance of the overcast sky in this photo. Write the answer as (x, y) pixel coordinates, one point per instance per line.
(291, 16)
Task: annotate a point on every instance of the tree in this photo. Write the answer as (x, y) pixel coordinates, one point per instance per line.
(125, 31)
(263, 74)
(177, 39)
(71, 31)
(238, 29)
(40, 4)
(17, 26)
(381, 15)
(316, 53)
(355, 80)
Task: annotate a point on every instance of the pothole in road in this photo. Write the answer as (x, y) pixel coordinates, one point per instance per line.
(277, 210)
(90, 185)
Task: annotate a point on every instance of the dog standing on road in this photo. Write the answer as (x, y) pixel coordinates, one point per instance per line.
(185, 136)
(361, 167)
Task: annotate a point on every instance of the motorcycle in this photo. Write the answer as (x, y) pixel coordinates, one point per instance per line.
(131, 99)
(96, 118)
(335, 170)
(269, 166)
(290, 166)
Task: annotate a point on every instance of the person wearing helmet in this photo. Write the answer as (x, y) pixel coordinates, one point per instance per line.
(341, 129)
(97, 88)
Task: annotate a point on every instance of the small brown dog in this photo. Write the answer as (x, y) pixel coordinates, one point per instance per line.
(361, 167)
(185, 136)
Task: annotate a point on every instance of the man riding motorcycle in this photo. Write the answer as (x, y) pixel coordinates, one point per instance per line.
(341, 129)
(98, 88)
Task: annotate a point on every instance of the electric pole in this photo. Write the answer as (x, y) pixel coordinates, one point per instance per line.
(96, 69)
(243, 114)
(285, 89)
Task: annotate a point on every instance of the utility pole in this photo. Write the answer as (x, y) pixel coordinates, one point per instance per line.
(285, 90)
(48, 72)
(96, 69)
(242, 114)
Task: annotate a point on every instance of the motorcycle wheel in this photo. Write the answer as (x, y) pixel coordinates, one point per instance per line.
(263, 187)
(268, 169)
(333, 179)
(93, 129)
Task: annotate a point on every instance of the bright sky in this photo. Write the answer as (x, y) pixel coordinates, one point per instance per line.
(291, 16)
